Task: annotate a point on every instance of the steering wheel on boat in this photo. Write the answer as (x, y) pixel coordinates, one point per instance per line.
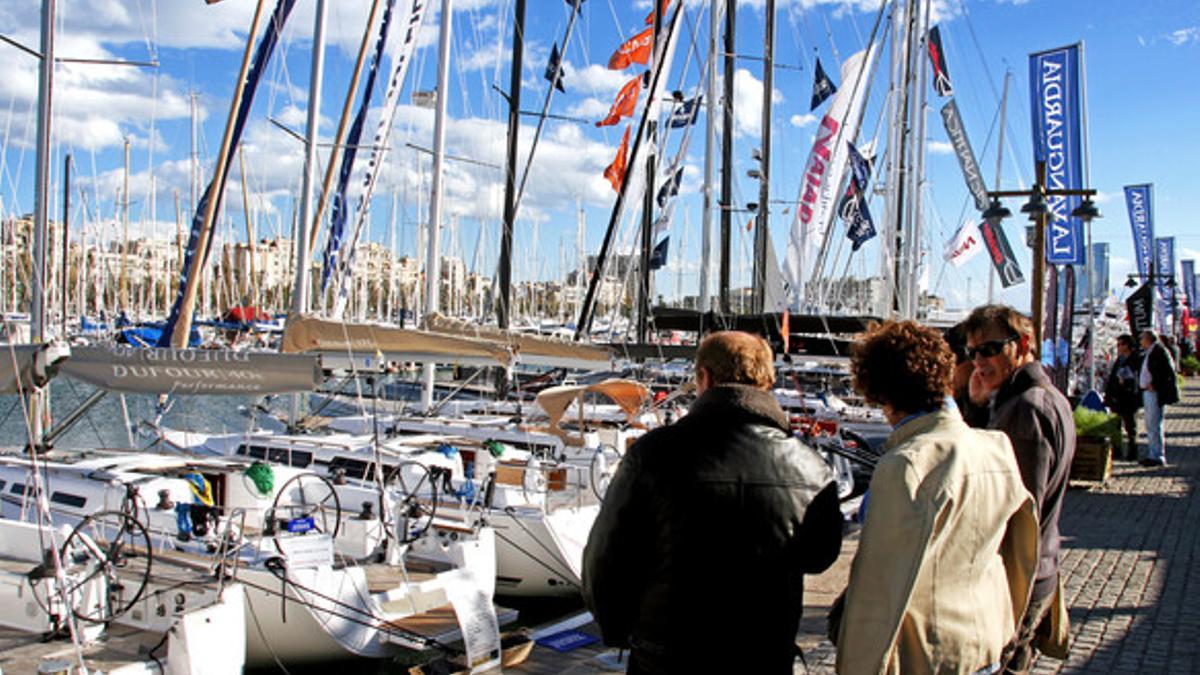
(602, 467)
(419, 512)
(306, 502)
(106, 561)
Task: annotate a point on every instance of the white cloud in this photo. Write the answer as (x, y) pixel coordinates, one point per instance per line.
(747, 102)
(801, 121)
(940, 147)
(1183, 36)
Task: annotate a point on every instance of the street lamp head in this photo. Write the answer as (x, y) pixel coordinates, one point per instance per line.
(756, 154)
(754, 173)
(1036, 206)
(752, 207)
(1131, 282)
(1087, 210)
(996, 212)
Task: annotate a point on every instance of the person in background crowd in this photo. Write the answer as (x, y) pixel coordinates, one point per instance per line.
(1156, 378)
(697, 558)
(1038, 420)
(960, 379)
(1122, 395)
(1172, 348)
(948, 552)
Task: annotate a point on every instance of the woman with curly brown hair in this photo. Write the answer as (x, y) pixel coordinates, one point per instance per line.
(948, 549)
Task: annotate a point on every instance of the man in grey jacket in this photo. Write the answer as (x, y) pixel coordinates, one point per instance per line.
(1038, 420)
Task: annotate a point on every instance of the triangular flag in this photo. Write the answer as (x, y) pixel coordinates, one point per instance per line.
(669, 188)
(823, 87)
(635, 50)
(662, 11)
(685, 113)
(937, 58)
(624, 104)
(658, 257)
(554, 69)
(615, 173)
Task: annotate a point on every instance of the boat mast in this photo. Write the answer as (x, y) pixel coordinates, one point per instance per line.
(41, 208)
(432, 261)
(999, 158)
(503, 313)
(727, 153)
(917, 180)
(644, 290)
(761, 232)
(710, 131)
(66, 239)
(301, 282)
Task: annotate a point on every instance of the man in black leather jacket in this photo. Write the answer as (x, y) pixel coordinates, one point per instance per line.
(697, 559)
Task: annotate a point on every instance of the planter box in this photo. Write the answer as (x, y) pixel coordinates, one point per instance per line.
(1093, 459)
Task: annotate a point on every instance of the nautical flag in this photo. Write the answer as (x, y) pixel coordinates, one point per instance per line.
(1164, 271)
(823, 87)
(966, 244)
(554, 69)
(669, 188)
(624, 104)
(1001, 254)
(937, 58)
(663, 222)
(658, 258)
(615, 173)
(860, 168)
(635, 50)
(1188, 269)
(853, 209)
(662, 12)
(685, 113)
(1139, 307)
(957, 134)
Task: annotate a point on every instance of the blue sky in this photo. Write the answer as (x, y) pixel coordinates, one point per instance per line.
(1142, 65)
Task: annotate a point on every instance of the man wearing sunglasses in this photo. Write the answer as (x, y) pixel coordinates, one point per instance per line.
(1024, 404)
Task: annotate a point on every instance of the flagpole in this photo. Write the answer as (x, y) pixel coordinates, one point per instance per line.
(644, 290)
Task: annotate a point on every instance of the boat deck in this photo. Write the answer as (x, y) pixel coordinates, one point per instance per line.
(123, 650)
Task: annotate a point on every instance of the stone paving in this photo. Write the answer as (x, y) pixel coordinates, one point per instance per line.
(1130, 560)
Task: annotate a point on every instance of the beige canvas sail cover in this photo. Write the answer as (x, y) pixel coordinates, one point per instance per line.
(530, 349)
(25, 367)
(309, 334)
(192, 371)
(629, 395)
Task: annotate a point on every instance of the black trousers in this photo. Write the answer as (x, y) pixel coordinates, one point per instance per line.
(1129, 422)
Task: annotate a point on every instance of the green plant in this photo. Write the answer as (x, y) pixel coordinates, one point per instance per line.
(1189, 365)
(1098, 425)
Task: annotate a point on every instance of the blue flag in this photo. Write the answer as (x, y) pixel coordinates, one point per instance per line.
(669, 188)
(822, 89)
(1140, 201)
(853, 208)
(1054, 89)
(1164, 271)
(1188, 269)
(685, 113)
(658, 258)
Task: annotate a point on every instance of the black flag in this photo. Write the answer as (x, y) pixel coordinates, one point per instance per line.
(823, 87)
(685, 113)
(1140, 306)
(937, 58)
(658, 257)
(554, 69)
(669, 188)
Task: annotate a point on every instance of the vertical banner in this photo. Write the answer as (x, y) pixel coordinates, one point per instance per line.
(1054, 82)
(1139, 305)
(1188, 271)
(1164, 271)
(1062, 346)
(1007, 268)
(1050, 326)
(957, 134)
(1140, 202)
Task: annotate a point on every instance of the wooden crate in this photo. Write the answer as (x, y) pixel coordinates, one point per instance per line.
(1093, 459)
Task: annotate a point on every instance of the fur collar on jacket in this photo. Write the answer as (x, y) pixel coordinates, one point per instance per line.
(741, 403)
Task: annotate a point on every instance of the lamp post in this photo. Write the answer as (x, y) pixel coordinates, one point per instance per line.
(1038, 211)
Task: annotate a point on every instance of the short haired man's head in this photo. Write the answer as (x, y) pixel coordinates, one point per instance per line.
(1125, 344)
(999, 341)
(902, 364)
(734, 357)
(1148, 339)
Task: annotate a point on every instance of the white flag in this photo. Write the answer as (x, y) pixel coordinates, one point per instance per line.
(823, 174)
(966, 244)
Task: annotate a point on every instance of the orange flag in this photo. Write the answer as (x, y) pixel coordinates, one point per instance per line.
(662, 11)
(615, 173)
(624, 104)
(635, 50)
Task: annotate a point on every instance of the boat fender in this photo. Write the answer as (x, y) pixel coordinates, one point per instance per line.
(183, 521)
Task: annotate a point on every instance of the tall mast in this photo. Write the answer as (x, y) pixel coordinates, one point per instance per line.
(510, 173)
(916, 213)
(41, 208)
(727, 153)
(761, 232)
(301, 283)
(66, 239)
(710, 132)
(195, 157)
(999, 158)
(124, 282)
(644, 290)
(432, 259)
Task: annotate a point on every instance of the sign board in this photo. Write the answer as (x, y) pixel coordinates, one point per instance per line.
(307, 551)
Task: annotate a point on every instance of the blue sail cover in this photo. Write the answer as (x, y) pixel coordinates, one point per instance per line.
(338, 211)
(262, 57)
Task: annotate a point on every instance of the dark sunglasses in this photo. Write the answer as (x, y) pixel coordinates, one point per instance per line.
(990, 348)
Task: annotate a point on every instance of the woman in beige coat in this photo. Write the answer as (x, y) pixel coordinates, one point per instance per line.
(948, 549)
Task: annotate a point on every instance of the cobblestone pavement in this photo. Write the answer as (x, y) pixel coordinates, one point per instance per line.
(1130, 560)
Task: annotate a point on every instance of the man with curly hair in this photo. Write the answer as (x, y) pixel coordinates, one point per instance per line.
(697, 559)
(1036, 416)
(949, 547)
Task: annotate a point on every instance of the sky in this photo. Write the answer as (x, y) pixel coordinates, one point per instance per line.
(1143, 90)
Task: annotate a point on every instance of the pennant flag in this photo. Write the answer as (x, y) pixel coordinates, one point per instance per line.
(669, 188)
(553, 72)
(635, 50)
(1188, 269)
(1140, 201)
(685, 113)
(1139, 306)
(966, 244)
(615, 173)
(853, 209)
(662, 12)
(937, 58)
(1164, 271)
(624, 104)
(860, 169)
(823, 87)
(658, 258)
(1001, 254)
